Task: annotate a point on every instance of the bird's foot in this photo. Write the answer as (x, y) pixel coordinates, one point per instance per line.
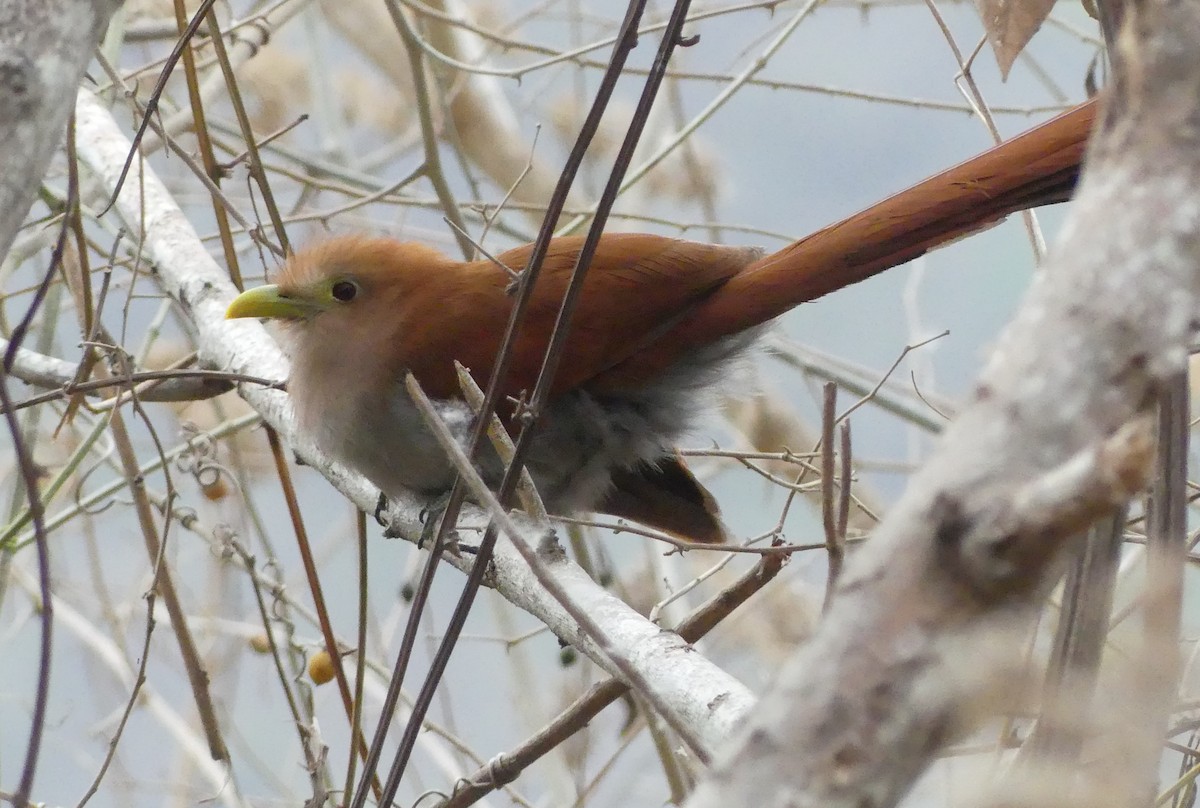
(381, 506)
(391, 530)
(431, 519)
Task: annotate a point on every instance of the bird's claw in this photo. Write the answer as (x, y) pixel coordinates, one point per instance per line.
(381, 506)
(451, 544)
(391, 529)
(431, 518)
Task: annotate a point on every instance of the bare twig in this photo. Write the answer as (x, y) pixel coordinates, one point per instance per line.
(835, 547)
(1075, 659)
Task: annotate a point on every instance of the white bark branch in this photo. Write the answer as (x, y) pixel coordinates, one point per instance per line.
(703, 697)
(38, 369)
(1056, 434)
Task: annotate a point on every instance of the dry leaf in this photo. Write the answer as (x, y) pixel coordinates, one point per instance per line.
(1010, 24)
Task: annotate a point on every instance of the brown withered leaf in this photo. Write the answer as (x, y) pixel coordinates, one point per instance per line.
(1010, 24)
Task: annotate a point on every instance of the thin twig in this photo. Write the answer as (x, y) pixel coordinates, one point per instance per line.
(835, 549)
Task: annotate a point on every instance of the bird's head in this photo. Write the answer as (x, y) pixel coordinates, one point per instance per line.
(341, 280)
(348, 307)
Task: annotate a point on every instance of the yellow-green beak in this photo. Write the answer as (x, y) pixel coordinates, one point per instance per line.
(268, 301)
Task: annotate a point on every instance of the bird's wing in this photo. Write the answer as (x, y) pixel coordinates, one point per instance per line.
(637, 287)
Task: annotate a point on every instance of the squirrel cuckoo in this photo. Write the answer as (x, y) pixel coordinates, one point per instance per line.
(659, 323)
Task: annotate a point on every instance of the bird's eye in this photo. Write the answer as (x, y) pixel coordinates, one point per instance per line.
(344, 291)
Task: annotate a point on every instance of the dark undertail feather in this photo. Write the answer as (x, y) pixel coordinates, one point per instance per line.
(666, 496)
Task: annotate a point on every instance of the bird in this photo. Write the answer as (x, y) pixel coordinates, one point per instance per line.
(358, 312)
(661, 326)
